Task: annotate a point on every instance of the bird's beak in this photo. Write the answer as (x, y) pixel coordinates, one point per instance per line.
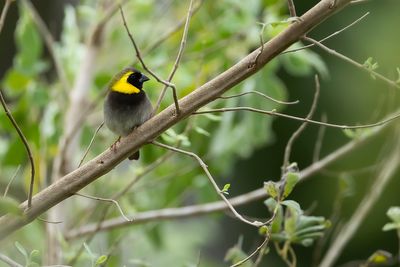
(143, 79)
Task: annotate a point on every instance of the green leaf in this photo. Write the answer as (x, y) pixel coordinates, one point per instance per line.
(100, 260)
(291, 179)
(201, 131)
(271, 188)
(292, 204)
(394, 214)
(380, 257)
(226, 188)
(391, 226)
(9, 206)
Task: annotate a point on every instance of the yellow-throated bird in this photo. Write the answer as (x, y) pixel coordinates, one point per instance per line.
(127, 105)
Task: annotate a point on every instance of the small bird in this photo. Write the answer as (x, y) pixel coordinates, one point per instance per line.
(126, 105)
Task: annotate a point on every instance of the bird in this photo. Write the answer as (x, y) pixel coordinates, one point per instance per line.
(126, 105)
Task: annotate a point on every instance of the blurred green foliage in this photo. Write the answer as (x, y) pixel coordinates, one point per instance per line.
(221, 33)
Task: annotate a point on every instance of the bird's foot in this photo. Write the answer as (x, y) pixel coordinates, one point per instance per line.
(113, 147)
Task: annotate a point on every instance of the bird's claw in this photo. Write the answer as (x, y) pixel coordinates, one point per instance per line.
(113, 147)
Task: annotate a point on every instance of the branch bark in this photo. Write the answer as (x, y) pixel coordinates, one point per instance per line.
(106, 161)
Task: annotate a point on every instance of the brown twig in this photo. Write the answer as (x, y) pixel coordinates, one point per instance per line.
(139, 57)
(353, 62)
(177, 61)
(274, 113)
(211, 179)
(297, 133)
(292, 8)
(27, 148)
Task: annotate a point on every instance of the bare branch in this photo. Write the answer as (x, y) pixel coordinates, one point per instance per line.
(26, 145)
(177, 61)
(152, 73)
(211, 179)
(297, 133)
(274, 113)
(11, 180)
(353, 62)
(151, 129)
(262, 95)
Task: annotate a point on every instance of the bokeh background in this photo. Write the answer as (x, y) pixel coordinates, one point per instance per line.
(241, 149)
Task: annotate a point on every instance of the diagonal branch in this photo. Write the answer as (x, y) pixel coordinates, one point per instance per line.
(106, 161)
(211, 179)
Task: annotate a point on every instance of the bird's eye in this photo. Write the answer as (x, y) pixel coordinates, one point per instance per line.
(134, 76)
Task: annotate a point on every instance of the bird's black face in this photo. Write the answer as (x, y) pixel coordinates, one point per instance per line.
(137, 79)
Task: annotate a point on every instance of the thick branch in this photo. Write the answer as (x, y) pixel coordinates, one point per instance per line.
(76, 180)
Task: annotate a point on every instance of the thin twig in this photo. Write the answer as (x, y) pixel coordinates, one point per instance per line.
(7, 260)
(50, 43)
(353, 62)
(90, 144)
(292, 8)
(320, 138)
(329, 36)
(11, 180)
(262, 95)
(139, 56)
(391, 164)
(177, 60)
(170, 32)
(25, 142)
(3, 15)
(274, 113)
(297, 133)
(107, 200)
(217, 189)
(261, 50)
(258, 249)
